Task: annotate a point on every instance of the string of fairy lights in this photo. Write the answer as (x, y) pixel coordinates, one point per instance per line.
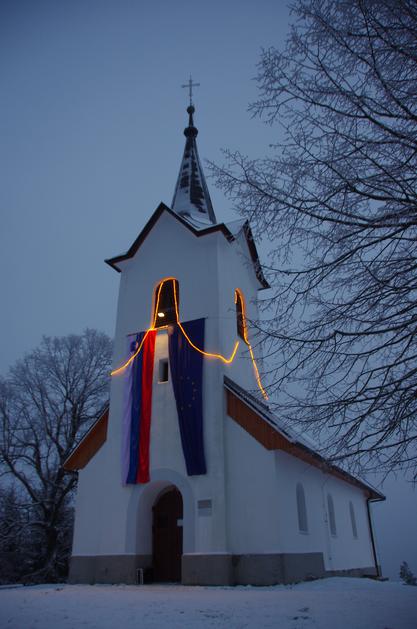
(224, 359)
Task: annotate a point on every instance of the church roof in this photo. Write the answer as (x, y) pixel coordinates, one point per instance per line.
(229, 231)
(191, 197)
(255, 417)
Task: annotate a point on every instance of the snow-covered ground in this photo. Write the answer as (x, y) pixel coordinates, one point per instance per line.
(325, 604)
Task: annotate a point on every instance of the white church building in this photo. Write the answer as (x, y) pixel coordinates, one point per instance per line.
(188, 476)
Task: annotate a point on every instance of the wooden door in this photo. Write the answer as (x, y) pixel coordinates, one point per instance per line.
(167, 537)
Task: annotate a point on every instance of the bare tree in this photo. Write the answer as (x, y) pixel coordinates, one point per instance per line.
(337, 196)
(13, 549)
(47, 402)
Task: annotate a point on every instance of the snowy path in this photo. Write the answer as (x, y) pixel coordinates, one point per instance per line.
(336, 603)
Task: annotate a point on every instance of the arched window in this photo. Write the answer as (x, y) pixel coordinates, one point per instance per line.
(353, 520)
(332, 519)
(164, 302)
(301, 509)
(239, 315)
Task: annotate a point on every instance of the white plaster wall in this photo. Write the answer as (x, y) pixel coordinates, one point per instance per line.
(86, 539)
(289, 472)
(347, 551)
(252, 505)
(100, 507)
(340, 552)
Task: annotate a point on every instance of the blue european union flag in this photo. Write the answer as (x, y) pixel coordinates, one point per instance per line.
(187, 380)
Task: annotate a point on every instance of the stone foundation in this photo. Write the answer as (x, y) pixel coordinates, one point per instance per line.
(107, 568)
(202, 569)
(254, 569)
(213, 569)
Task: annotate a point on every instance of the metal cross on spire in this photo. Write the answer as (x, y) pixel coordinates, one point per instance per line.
(190, 86)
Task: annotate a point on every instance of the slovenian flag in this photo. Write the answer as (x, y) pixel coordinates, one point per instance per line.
(138, 410)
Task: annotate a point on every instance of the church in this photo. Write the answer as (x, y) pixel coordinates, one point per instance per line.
(188, 476)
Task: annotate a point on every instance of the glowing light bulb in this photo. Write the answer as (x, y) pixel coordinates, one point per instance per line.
(161, 315)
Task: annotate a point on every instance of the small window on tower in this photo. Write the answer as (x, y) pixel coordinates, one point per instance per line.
(166, 295)
(239, 316)
(163, 370)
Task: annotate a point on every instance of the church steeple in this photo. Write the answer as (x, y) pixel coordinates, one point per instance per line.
(191, 197)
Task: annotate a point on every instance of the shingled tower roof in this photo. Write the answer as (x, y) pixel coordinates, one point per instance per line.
(191, 197)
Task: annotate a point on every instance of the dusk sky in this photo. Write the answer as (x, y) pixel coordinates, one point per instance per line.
(92, 119)
(91, 124)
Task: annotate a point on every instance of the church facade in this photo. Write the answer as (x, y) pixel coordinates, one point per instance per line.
(188, 476)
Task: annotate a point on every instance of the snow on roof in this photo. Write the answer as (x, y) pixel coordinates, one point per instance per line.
(236, 226)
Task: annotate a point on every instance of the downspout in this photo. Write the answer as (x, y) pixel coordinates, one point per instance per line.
(371, 530)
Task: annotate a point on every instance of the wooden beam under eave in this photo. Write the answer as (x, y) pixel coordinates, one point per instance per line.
(89, 445)
(257, 427)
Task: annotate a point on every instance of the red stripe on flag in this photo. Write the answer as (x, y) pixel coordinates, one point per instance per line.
(145, 423)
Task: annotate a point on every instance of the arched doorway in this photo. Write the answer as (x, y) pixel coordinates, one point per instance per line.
(167, 536)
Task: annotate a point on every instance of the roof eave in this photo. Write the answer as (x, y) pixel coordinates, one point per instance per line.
(254, 255)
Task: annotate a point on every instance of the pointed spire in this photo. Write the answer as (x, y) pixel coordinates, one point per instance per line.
(191, 197)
